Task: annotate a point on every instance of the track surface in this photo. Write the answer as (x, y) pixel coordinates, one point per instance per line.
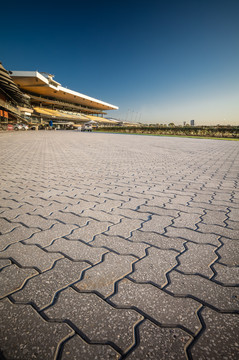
(118, 246)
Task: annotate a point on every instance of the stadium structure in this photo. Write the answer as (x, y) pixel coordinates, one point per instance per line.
(36, 98)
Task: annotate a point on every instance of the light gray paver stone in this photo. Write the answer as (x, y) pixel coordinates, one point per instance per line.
(76, 346)
(4, 263)
(102, 277)
(160, 211)
(158, 240)
(68, 218)
(124, 228)
(77, 250)
(219, 230)
(18, 234)
(197, 259)
(157, 224)
(229, 252)
(25, 335)
(186, 220)
(157, 304)
(132, 214)
(46, 237)
(220, 338)
(35, 221)
(88, 232)
(154, 266)
(30, 256)
(160, 343)
(42, 288)
(12, 278)
(228, 275)
(10, 214)
(194, 236)
(121, 246)
(102, 216)
(98, 320)
(7, 226)
(218, 296)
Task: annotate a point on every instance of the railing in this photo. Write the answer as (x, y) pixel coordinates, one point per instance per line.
(9, 107)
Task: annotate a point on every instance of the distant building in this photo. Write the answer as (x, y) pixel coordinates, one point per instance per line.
(184, 123)
(192, 122)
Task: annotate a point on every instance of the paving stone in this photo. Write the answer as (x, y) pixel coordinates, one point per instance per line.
(219, 230)
(226, 275)
(220, 338)
(157, 224)
(4, 263)
(108, 205)
(102, 277)
(229, 252)
(158, 305)
(42, 288)
(194, 236)
(132, 214)
(102, 216)
(68, 218)
(77, 250)
(234, 225)
(80, 207)
(9, 203)
(34, 221)
(159, 201)
(30, 256)
(154, 266)
(10, 214)
(214, 218)
(88, 232)
(124, 228)
(158, 240)
(18, 234)
(233, 214)
(221, 297)
(12, 278)
(6, 226)
(46, 237)
(99, 321)
(158, 211)
(186, 220)
(133, 203)
(23, 331)
(160, 343)
(121, 246)
(76, 346)
(46, 211)
(197, 259)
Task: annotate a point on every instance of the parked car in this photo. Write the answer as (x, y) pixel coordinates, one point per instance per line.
(17, 126)
(24, 126)
(86, 127)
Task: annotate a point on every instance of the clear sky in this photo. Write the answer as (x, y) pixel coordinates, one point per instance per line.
(159, 61)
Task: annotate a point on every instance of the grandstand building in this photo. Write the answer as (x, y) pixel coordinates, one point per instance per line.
(38, 99)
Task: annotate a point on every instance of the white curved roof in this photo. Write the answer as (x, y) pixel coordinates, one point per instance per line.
(45, 85)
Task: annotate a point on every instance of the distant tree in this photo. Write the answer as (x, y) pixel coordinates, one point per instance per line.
(171, 124)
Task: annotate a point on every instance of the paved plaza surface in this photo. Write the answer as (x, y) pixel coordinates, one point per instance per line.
(118, 247)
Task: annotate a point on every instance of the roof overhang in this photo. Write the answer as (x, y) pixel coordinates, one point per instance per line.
(44, 85)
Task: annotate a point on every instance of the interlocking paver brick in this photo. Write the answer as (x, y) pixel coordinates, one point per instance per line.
(35, 221)
(221, 297)
(157, 224)
(108, 205)
(80, 207)
(229, 252)
(42, 288)
(77, 345)
(4, 262)
(99, 321)
(45, 237)
(194, 236)
(102, 216)
(132, 214)
(160, 343)
(87, 233)
(219, 230)
(186, 220)
(12, 278)
(30, 256)
(158, 240)
(68, 218)
(226, 274)
(124, 228)
(158, 211)
(7, 226)
(25, 335)
(133, 203)
(102, 277)
(155, 266)
(121, 246)
(220, 338)
(157, 304)
(77, 250)
(197, 259)
(18, 234)
(214, 218)
(10, 214)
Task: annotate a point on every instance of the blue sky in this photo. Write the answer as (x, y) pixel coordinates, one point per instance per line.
(159, 61)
